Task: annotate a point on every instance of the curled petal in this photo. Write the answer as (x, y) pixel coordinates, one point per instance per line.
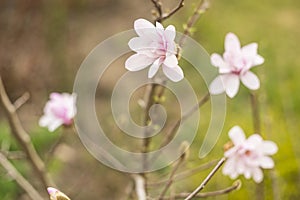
(138, 62)
(250, 80)
(174, 73)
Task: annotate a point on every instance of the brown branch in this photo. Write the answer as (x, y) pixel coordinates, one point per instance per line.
(21, 100)
(235, 186)
(185, 174)
(206, 180)
(172, 174)
(163, 16)
(175, 10)
(23, 138)
(201, 9)
(22, 182)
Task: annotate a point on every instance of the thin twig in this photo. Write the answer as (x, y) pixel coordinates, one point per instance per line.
(158, 7)
(13, 155)
(201, 9)
(21, 100)
(172, 174)
(235, 186)
(185, 174)
(22, 182)
(23, 138)
(206, 180)
(170, 133)
(175, 10)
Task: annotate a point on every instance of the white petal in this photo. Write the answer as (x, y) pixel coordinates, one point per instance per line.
(154, 68)
(140, 44)
(250, 80)
(171, 61)
(159, 25)
(170, 33)
(216, 60)
(232, 43)
(258, 60)
(237, 135)
(250, 50)
(229, 166)
(173, 73)
(216, 86)
(232, 84)
(266, 162)
(54, 125)
(142, 26)
(257, 175)
(269, 147)
(255, 140)
(138, 62)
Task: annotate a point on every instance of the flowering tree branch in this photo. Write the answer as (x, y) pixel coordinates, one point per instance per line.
(22, 182)
(235, 186)
(206, 180)
(23, 138)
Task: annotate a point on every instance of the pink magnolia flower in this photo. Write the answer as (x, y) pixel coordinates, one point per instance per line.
(55, 194)
(248, 156)
(59, 110)
(154, 46)
(235, 66)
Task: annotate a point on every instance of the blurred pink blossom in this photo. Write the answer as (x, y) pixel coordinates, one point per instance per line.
(55, 194)
(234, 66)
(248, 156)
(59, 110)
(154, 46)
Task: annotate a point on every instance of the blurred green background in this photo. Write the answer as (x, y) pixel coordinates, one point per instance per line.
(44, 42)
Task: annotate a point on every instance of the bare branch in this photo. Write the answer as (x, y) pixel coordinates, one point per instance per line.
(21, 100)
(23, 138)
(206, 180)
(185, 174)
(22, 182)
(139, 182)
(235, 186)
(175, 10)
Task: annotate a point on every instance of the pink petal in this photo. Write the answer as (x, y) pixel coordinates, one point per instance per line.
(142, 26)
(138, 62)
(232, 43)
(216, 60)
(268, 148)
(255, 140)
(229, 168)
(170, 33)
(154, 68)
(231, 83)
(250, 50)
(171, 61)
(237, 135)
(257, 175)
(216, 86)
(139, 44)
(266, 162)
(174, 73)
(250, 80)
